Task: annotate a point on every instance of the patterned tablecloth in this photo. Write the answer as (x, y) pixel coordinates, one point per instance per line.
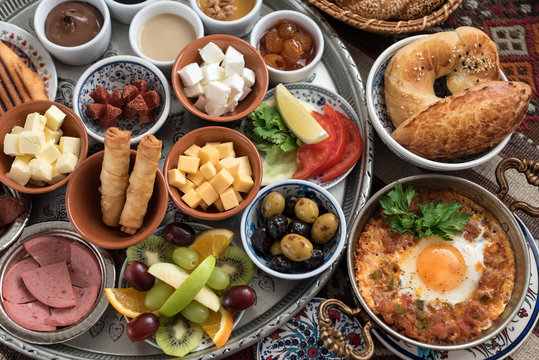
(514, 26)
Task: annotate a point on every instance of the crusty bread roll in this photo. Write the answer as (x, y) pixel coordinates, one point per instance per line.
(466, 56)
(467, 122)
(391, 9)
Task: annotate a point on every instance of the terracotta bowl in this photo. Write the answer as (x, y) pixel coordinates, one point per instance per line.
(84, 209)
(72, 126)
(242, 146)
(253, 61)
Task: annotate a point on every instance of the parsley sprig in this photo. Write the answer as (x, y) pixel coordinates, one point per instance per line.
(437, 219)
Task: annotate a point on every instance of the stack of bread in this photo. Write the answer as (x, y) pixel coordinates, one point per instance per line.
(391, 9)
(479, 114)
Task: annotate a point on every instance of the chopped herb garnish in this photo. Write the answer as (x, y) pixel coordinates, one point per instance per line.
(376, 274)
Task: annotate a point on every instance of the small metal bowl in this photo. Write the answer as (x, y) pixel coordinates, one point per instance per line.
(17, 253)
(12, 231)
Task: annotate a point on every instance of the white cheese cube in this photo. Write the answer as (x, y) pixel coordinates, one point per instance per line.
(30, 142)
(11, 144)
(246, 91)
(20, 172)
(17, 130)
(190, 74)
(193, 91)
(55, 117)
(40, 170)
(35, 122)
(66, 163)
(213, 109)
(56, 176)
(249, 77)
(235, 83)
(233, 62)
(211, 53)
(49, 153)
(217, 93)
(201, 102)
(52, 135)
(69, 144)
(231, 105)
(213, 72)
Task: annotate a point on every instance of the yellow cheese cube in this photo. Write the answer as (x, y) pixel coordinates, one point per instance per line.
(208, 153)
(192, 150)
(243, 183)
(219, 204)
(232, 164)
(197, 178)
(237, 193)
(30, 142)
(245, 165)
(226, 149)
(50, 153)
(207, 193)
(40, 170)
(11, 144)
(208, 170)
(222, 180)
(203, 205)
(187, 186)
(229, 199)
(70, 144)
(66, 163)
(176, 178)
(52, 135)
(17, 130)
(55, 117)
(188, 164)
(20, 171)
(213, 143)
(191, 198)
(35, 122)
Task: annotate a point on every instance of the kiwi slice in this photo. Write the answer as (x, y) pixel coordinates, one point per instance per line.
(235, 262)
(152, 250)
(177, 336)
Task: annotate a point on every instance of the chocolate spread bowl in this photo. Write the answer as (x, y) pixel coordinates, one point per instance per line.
(17, 252)
(333, 338)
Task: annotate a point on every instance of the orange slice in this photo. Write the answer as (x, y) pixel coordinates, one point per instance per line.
(219, 326)
(212, 242)
(128, 301)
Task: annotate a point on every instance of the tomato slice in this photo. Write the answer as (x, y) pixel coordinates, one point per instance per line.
(352, 152)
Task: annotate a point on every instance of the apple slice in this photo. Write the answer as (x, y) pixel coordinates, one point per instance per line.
(187, 291)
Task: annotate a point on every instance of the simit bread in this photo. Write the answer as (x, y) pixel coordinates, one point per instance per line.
(391, 9)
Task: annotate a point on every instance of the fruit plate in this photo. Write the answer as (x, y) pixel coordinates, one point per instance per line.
(278, 300)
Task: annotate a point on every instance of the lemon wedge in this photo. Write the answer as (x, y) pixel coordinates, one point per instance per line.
(297, 118)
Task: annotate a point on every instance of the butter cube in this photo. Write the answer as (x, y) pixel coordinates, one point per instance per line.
(233, 62)
(207, 170)
(188, 164)
(217, 93)
(187, 186)
(201, 102)
(208, 153)
(20, 171)
(50, 153)
(211, 53)
(197, 178)
(66, 163)
(243, 183)
(235, 83)
(11, 144)
(219, 204)
(229, 199)
(226, 149)
(17, 130)
(213, 72)
(35, 122)
(30, 142)
(190, 74)
(231, 164)
(193, 91)
(56, 176)
(249, 77)
(222, 181)
(191, 198)
(69, 144)
(245, 165)
(192, 150)
(176, 178)
(40, 170)
(55, 117)
(52, 135)
(38, 183)
(207, 193)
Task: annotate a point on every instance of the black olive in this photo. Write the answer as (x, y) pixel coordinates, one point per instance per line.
(277, 225)
(281, 263)
(289, 205)
(316, 260)
(299, 227)
(261, 241)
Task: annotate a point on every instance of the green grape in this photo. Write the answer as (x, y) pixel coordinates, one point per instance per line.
(219, 279)
(185, 258)
(157, 295)
(195, 312)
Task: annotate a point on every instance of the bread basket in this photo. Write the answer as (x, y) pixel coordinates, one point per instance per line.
(383, 26)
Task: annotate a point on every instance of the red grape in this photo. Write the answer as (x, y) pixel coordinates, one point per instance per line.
(179, 234)
(136, 274)
(237, 298)
(142, 327)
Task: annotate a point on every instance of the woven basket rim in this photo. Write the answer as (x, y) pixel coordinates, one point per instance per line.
(384, 26)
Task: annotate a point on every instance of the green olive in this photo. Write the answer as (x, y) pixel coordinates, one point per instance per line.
(306, 210)
(272, 204)
(296, 247)
(324, 228)
(276, 248)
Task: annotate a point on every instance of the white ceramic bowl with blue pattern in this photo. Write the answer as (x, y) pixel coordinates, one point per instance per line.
(376, 105)
(252, 219)
(116, 72)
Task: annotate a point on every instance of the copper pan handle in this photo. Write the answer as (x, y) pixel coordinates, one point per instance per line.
(334, 340)
(527, 166)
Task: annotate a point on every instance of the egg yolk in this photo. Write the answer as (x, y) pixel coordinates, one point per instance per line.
(441, 267)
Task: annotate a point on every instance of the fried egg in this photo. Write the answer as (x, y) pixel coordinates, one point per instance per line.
(445, 270)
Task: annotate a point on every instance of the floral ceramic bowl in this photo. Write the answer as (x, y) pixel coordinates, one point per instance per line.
(116, 72)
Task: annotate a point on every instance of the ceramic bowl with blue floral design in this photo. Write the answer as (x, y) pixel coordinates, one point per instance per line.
(252, 219)
(117, 72)
(383, 125)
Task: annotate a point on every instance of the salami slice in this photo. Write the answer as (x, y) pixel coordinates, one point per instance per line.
(51, 285)
(13, 288)
(30, 316)
(84, 269)
(85, 298)
(49, 250)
